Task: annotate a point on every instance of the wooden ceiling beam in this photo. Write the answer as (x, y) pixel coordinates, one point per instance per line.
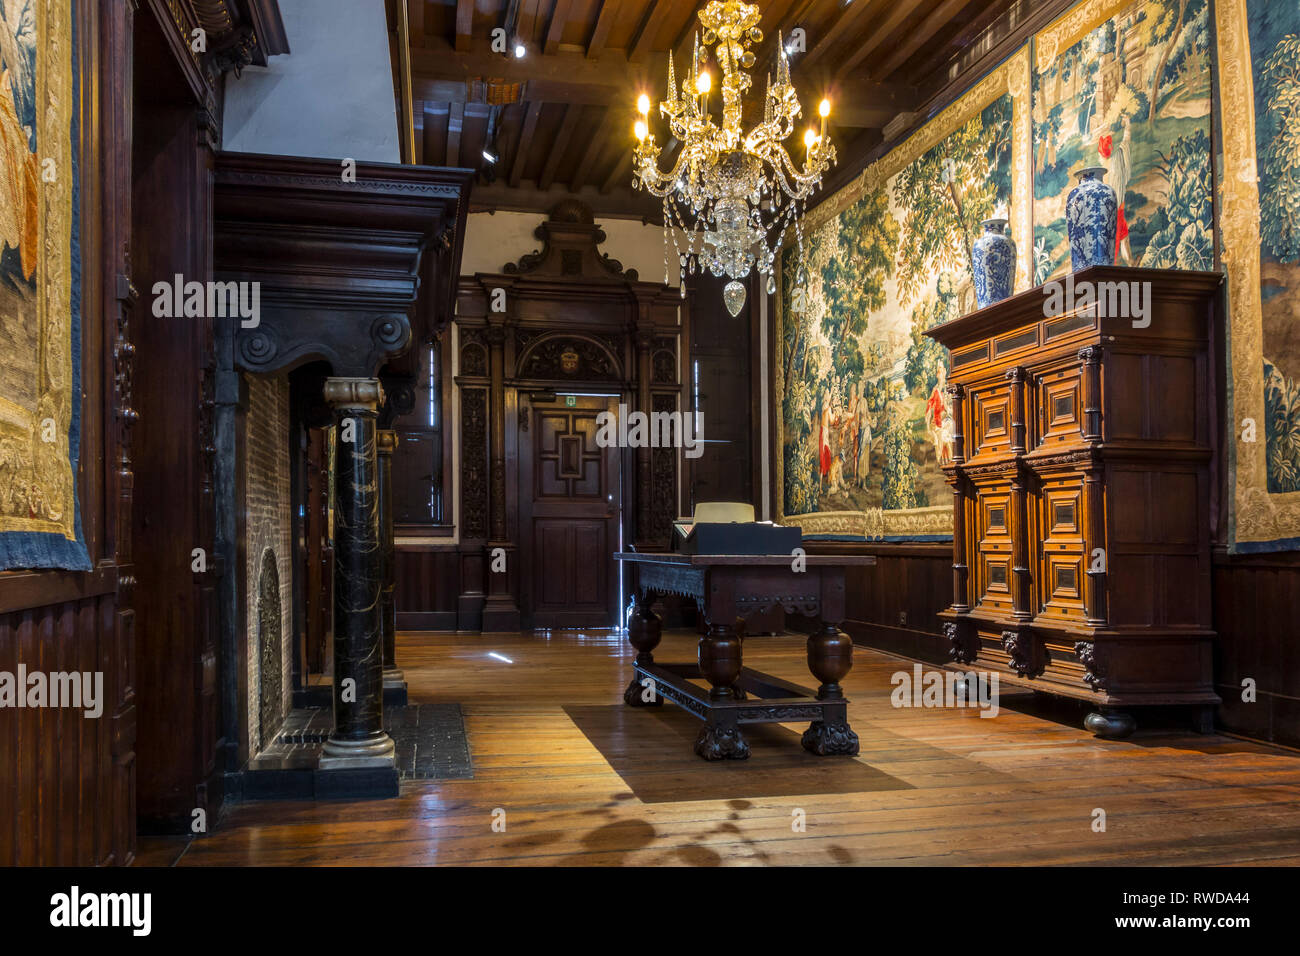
(547, 91)
(439, 61)
(860, 103)
(622, 170)
(433, 136)
(555, 31)
(416, 14)
(839, 30)
(441, 76)
(455, 123)
(572, 113)
(880, 32)
(969, 31)
(464, 25)
(654, 19)
(623, 203)
(594, 147)
(525, 143)
(918, 36)
(604, 23)
(796, 16)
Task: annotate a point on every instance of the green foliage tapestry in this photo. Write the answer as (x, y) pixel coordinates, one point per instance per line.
(1127, 85)
(865, 425)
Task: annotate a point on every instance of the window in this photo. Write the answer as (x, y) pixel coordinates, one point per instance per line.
(418, 485)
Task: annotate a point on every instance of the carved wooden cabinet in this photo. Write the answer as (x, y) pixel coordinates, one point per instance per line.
(1081, 476)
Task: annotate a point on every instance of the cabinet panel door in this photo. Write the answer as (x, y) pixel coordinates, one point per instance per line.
(993, 547)
(990, 421)
(1063, 547)
(1058, 401)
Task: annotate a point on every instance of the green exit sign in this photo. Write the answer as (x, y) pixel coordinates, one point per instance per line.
(571, 401)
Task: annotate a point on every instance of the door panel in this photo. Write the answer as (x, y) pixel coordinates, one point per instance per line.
(570, 491)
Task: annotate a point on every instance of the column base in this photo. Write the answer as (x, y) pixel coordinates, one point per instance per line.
(500, 614)
(395, 694)
(374, 751)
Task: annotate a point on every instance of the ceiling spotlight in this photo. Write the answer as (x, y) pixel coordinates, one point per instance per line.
(520, 50)
(490, 156)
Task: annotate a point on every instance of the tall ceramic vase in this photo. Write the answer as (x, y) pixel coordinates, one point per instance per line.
(993, 260)
(1091, 212)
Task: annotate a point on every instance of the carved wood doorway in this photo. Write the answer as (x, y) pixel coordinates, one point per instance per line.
(570, 510)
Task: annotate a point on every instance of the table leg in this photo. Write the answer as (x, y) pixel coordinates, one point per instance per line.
(740, 633)
(644, 630)
(830, 657)
(720, 664)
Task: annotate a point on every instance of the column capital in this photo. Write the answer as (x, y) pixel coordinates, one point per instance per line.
(360, 393)
(1091, 354)
(386, 441)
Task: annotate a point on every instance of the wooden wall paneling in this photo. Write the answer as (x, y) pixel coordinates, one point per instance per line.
(428, 580)
(571, 292)
(908, 579)
(174, 140)
(1256, 597)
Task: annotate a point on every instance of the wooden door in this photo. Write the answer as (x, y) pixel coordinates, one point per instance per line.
(570, 492)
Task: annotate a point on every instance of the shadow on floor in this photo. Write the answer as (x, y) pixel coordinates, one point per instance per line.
(652, 750)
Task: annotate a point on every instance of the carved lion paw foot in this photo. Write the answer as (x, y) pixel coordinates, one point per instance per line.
(717, 743)
(639, 695)
(825, 739)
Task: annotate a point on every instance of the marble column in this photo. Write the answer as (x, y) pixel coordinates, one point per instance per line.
(358, 739)
(387, 442)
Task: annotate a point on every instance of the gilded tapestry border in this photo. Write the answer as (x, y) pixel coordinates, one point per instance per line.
(1071, 27)
(1258, 518)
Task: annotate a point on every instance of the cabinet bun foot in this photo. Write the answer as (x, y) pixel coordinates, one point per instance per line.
(1110, 725)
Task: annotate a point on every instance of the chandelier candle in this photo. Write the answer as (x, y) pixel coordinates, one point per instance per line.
(724, 192)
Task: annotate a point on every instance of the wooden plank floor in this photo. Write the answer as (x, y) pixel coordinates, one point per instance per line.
(582, 779)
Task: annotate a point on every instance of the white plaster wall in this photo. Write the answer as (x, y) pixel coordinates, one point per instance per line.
(493, 239)
(330, 97)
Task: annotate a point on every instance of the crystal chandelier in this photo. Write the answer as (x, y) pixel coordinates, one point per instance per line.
(731, 194)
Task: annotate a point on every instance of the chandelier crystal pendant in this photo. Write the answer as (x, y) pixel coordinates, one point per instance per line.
(731, 195)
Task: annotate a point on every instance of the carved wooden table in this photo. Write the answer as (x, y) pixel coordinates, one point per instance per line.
(728, 589)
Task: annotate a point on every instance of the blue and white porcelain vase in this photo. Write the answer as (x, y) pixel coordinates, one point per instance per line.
(993, 260)
(1091, 213)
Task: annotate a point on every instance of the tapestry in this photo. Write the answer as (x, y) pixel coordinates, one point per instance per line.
(864, 424)
(1259, 82)
(1126, 85)
(40, 331)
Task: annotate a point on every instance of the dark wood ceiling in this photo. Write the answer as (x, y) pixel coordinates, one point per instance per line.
(559, 119)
